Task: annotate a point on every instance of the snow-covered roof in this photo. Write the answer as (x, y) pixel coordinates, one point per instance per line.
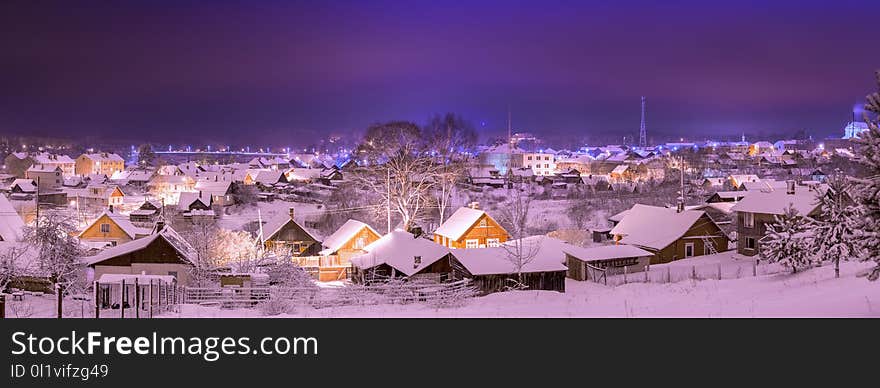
(44, 168)
(548, 257)
(459, 222)
(620, 169)
(26, 185)
(804, 200)
(398, 250)
(122, 222)
(342, 235)
(104, 157)
(116, 278)
(607, 252)
(168, 234)
(654, 227)
(764, 185)
(11, 223)
(303, 174)
(215, 188)
(47, 158)
(274, 226)
(186, 199)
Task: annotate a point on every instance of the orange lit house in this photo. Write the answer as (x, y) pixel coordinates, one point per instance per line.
(470, 227)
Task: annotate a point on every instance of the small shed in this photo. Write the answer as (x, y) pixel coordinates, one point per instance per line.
(585, 263)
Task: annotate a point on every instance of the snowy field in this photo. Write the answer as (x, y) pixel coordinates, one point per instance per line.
(812, 293)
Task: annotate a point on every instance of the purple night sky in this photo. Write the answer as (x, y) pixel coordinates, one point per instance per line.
(281, 71)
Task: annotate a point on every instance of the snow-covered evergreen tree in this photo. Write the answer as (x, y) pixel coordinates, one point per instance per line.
(865, 219)
(787, 241)
(832, 239)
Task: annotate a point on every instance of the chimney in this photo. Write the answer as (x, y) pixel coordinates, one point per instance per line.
(679, 207)
(474, 205)
(160, 225)
(790, 187)
(291, 212)
(110, 209)
(417, 260)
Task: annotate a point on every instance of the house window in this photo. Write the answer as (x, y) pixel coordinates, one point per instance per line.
(417, 260)
(689, 250)
(750, 243)
(493, 242)
(483, 223)
(105, 228)
(749, 220)
(474, 243)
(530, 158)
(359, 243)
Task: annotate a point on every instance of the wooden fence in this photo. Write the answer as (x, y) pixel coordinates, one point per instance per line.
(667, 273)
(392, 292)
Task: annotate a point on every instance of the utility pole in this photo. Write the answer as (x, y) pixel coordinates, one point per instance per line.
(388, 197)
(643, 132)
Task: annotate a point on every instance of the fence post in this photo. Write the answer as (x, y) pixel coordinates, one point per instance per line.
(719, 271)
(647, 269)
(151, 298)
(693, 272)
(2, 306)
(624, 274)
(122, 298)
(97, 304)
(60, 297)
(754, 268)
(668, 275)
(137, 299)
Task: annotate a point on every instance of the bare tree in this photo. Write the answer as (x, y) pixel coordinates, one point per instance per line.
(203, 236)
(448, 176)
(514, 215)
(10, 265)
(57, 251)
(401, 172)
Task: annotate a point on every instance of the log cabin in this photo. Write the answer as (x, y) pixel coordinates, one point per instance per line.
(470, 227)
(670, 233)
(163, 252)
(285, 235)
(347, 242)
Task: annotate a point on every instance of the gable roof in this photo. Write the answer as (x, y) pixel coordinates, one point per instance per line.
(549, 257)
(26, 185)
(167, 233)
(342, 235)
(11, 224)
(274, 226)
(187, 198)
(104, 157)
(459, 222)
(655, 227)
(122, 222)
(775, 202)
(398, 249)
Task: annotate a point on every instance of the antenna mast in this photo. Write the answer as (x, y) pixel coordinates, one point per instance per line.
(643, 133)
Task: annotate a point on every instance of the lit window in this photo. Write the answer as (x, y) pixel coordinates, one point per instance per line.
(493, 242)
(471, 243)
(105, 228)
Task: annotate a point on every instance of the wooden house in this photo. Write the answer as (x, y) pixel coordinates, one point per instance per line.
(146, 214)
(759, 208)
(111, 228)
(671, 234)
(470, 227)
(492, 269)
(347, 242)
(284, 234)
(164, 252)
(400, 254)
(100, 196)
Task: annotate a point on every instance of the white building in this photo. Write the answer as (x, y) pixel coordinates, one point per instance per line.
(540, 163)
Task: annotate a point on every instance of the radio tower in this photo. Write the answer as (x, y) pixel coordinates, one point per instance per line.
(643, 133)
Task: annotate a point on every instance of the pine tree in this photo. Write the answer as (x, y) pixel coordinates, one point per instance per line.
(833, 234)
(865, 219)
(787, 241)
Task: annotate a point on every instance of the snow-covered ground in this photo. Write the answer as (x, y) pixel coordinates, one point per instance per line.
(811, 293)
